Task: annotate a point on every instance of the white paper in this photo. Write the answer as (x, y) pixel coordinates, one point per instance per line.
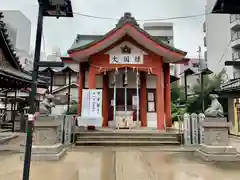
(85, 102)
(151, 107)
(150, 97)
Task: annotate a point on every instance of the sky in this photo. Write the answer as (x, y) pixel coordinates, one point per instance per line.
(188, 32)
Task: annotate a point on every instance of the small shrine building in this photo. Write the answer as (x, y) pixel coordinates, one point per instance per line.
(132, 69)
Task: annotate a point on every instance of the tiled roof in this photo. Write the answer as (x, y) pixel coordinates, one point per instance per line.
(59, 69)
(233, 84)
(7, 41)
(15, 71)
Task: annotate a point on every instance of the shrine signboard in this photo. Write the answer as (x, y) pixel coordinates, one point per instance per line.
(92, 103)
(95, 109)
(126, 59)
(91, 114)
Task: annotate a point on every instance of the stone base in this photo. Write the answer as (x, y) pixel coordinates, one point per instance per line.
(6, 137)
(218, 153)
(47, 153)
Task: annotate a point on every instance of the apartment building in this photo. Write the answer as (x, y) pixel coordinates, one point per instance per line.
(19, 30)
(235, 42)
(164, 32)
(218, 40)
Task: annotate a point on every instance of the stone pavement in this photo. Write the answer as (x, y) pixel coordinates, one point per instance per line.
(120, 164)
(235, 142)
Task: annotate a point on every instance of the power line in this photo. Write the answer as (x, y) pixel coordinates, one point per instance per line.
(142, 20)
(225, 51)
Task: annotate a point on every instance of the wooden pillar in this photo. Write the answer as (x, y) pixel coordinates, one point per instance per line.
(160, 97)
(92, 78)
(143, 99)
(81, 82)
(105, 100)
(167, 95)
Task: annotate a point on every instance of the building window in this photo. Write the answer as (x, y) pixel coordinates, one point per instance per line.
(195, 65)
(59, 80)
(151, 103)
(26, 61)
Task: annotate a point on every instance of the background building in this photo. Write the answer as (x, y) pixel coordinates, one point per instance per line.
(164, 32)
(235, 42)
(19, 30)
(195, 65)
(217, 40)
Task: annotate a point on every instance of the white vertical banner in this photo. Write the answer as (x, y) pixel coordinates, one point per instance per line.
(85, 102)
(187, 129)
(95, 103)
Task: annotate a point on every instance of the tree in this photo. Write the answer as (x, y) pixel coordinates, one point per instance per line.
(177, 93)
(178, 97)
(211, 83)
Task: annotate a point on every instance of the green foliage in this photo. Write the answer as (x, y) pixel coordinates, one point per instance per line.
(211, 83)
(178, 97)
(177, 93)
(193, 104)
(73, 108)
(177, 112)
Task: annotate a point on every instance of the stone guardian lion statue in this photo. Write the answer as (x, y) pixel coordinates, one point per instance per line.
(215, 109)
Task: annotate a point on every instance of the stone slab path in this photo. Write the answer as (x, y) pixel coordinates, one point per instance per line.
(120, 164)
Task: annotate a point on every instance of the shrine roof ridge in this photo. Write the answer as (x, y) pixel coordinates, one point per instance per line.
(126, 19)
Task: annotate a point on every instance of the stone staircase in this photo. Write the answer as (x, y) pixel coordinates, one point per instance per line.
(7, 126)
(129, 138)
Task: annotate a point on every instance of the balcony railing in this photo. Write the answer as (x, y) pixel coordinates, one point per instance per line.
(235, 36)
(236, 55)
(204, 27)
(205, 41)
(234, 17)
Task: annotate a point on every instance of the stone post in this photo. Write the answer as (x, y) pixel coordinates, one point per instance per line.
(194, 127)
(187, 131)
(47, 139)
(216, 141)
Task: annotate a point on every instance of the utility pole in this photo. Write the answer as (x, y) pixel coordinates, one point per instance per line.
(32, 102)
(58, 8)
(201, 68)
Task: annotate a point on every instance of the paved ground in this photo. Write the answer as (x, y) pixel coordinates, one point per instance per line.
(120, 164)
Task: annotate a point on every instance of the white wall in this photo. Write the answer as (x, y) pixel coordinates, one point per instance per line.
(73, 91)
(159, 29)
(60, 109)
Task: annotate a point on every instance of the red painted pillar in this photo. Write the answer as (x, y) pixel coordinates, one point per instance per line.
(167, 95)
(160, 97)
(105, 100)
(92, 78)
(81, 82)
(143, 99)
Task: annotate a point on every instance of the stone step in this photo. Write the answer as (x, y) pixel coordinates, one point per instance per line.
(82, 134)
(124, 142)
(149, 138)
